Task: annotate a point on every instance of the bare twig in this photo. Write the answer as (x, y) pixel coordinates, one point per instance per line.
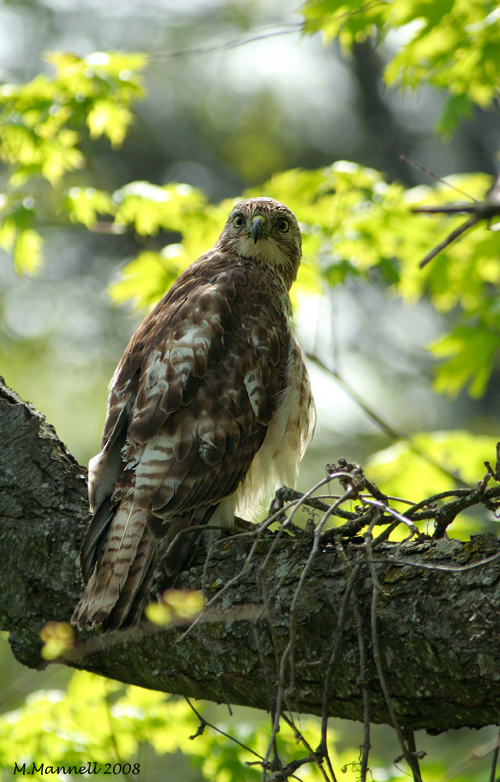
(365, 749)
(257, 533)
(486, 209)
(466, 498)
(435, 177)
(204, 724)
(448, 512)
(229, 44)
(383, 425)
(290, 649)
(438, 568)
(376, 589)
(355, 480)
(262, 571)
(478, 753)
(323, 747)
(315, 756)
(494, 760)
(449, 239)
(399, 516)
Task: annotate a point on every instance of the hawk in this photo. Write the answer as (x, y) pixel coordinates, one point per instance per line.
(209, 410)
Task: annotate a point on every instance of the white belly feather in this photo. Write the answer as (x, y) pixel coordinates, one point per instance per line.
(276, 462)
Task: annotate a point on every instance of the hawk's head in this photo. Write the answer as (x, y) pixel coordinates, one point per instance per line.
(267, 231)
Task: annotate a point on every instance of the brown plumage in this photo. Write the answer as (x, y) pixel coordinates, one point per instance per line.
(209, 410)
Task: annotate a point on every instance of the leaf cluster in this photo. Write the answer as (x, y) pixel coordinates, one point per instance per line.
(44, 126)
(451, 45)
(354, 224)
(104, 721)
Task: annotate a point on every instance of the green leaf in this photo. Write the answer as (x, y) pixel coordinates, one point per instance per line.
(450, 45)
(83, 205)
(149, 207)
(41, 122)
(338, 272)
(106, 117)
(472, 350)
(146, 278)
(27, 251)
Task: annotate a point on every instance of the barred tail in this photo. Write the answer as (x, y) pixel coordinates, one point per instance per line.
(124, 564)
(125, 560)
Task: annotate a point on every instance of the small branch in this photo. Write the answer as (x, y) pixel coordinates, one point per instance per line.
(316, 757)
(377, 419)
(230, 44)
(486, 209)
(436, 178)
(399, 516)
(494, 760)
(447, 513)
(410, 759)
(449, 240)
(204, 724)
(323, 748)
(290, 649)
(365, 749)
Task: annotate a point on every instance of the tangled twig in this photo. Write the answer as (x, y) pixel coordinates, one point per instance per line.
(487, 209)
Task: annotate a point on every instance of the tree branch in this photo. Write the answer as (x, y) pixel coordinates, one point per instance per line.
(438, 630)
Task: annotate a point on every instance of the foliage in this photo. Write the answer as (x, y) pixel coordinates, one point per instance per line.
(452, 45)
(44, 125)
(102, 722)
(57, 638)
(175, 605)
(354, 224)
(43, 121)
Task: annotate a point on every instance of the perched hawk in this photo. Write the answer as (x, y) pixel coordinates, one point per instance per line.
(209, 409)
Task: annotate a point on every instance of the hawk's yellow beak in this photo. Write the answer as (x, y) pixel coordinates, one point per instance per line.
(257, 228)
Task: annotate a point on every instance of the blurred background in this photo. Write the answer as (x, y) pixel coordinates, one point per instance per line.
(234, 94)
(223, 117)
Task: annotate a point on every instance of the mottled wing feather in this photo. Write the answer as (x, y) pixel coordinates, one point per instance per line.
(199, 393)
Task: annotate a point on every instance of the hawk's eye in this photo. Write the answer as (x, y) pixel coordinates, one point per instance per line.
(239, 221)
(283, 225)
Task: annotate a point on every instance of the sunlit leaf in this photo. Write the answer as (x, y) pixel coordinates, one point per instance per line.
(84, 205)
(27, 251)
(174, 605)
(42, 121)
(106, 117)
(450, 45)
(471, 352)
(145, 279)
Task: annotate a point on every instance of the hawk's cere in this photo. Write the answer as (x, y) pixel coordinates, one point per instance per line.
(209, 410)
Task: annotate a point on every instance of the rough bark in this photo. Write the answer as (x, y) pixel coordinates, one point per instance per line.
(438, 631)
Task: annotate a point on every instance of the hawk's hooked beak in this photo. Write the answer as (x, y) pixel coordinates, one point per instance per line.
(257, 228)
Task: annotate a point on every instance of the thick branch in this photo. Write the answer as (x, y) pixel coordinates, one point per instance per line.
(438, 630)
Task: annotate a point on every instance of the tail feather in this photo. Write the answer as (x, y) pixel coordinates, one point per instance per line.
(121, 566)
(128, 611)
(118, 588)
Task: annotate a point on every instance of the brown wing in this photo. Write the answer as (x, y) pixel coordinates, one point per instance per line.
(210, 363)
(189, 403)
